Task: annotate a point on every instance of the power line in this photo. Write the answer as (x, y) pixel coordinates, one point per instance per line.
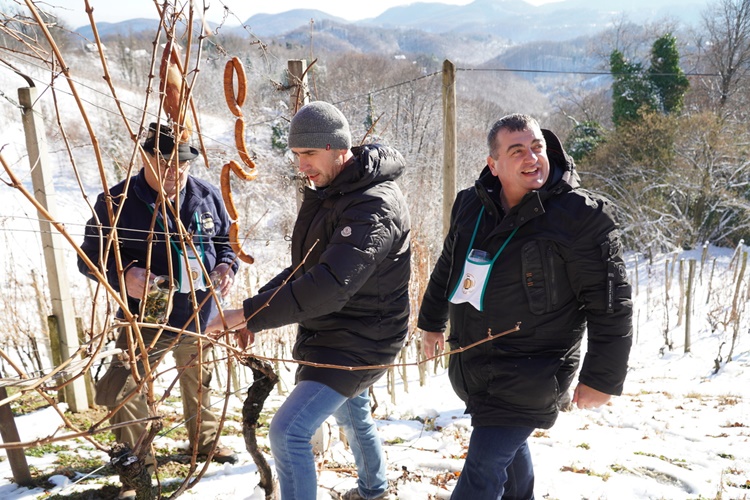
(111, 111)
(375, 91)
(104, 228)
(576, 72)
(513, 70)
(402, 83)
(77, 82)
(378, 91)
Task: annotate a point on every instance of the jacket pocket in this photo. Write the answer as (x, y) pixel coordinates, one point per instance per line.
(544, 277)
(457, 378)
(116, 384)
(526, 384)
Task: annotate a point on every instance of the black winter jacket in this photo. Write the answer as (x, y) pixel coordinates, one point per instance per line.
(202, 213)
(561, 273)
(350, 297)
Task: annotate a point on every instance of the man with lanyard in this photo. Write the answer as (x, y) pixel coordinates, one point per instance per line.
(151, 251)
(526, 246)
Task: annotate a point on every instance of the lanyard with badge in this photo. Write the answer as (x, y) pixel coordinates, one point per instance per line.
(477, 267)
(189, 263)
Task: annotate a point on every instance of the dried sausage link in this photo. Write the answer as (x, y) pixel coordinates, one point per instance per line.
(239, 141)
(234, 241)
(226, 192)
(235, 101)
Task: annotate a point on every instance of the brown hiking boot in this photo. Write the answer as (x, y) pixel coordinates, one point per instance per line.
(353, 494)
(222, 455)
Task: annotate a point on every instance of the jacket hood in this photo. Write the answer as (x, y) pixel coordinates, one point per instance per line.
(371, 164)
(562, 173)
(561, 165)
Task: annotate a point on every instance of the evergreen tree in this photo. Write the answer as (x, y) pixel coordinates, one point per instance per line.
(584, 139)
(632, 92)
(666, 75)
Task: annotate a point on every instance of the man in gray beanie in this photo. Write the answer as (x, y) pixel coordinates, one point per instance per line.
(319, 125)
(346, 288)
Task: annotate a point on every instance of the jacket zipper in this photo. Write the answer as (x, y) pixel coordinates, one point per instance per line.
(552, 293)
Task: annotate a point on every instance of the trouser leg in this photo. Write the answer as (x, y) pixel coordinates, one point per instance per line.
(355, 418)
(133, 410)
(492, 450)
(520, 483)
(292, 428)
(118, 385)
(194, 378)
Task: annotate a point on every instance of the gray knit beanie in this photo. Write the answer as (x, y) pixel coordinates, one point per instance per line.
(319, 125)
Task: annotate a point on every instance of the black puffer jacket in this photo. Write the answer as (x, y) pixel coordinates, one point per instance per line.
(562, 272)
(350, 297)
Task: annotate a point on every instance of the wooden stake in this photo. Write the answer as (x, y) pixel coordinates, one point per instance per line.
(9, 433)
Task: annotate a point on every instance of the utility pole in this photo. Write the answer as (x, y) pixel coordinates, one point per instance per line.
(52, 243)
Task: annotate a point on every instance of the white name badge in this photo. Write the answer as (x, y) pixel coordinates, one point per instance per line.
(473, 282)
(191, 272)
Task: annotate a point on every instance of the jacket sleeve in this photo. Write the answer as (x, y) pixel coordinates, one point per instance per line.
(363, 237)
(95, 243)
(277, 280)
(598, 277)
(433, 312)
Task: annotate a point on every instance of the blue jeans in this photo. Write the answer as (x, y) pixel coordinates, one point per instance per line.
(498, 466)
(294, 424)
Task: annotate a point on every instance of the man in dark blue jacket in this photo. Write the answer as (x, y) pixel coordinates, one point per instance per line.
(526, 245)
(153, 212)
(347, 288)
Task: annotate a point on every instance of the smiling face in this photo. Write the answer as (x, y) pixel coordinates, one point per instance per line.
(173, 175)
(520, 162)
(321, 166)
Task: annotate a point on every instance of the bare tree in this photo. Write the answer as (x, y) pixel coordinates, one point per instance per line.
(726, 26)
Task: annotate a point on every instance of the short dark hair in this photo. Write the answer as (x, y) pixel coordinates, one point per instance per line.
(515, 122)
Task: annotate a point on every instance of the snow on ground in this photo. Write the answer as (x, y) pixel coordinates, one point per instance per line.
(678, 432)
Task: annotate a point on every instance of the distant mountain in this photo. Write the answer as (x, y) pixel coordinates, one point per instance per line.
(262, 25)
(522, 22)
(123, 28)
(331, 36)
(429, 16)
(278, 24)
(475, 33)
(513, 20)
